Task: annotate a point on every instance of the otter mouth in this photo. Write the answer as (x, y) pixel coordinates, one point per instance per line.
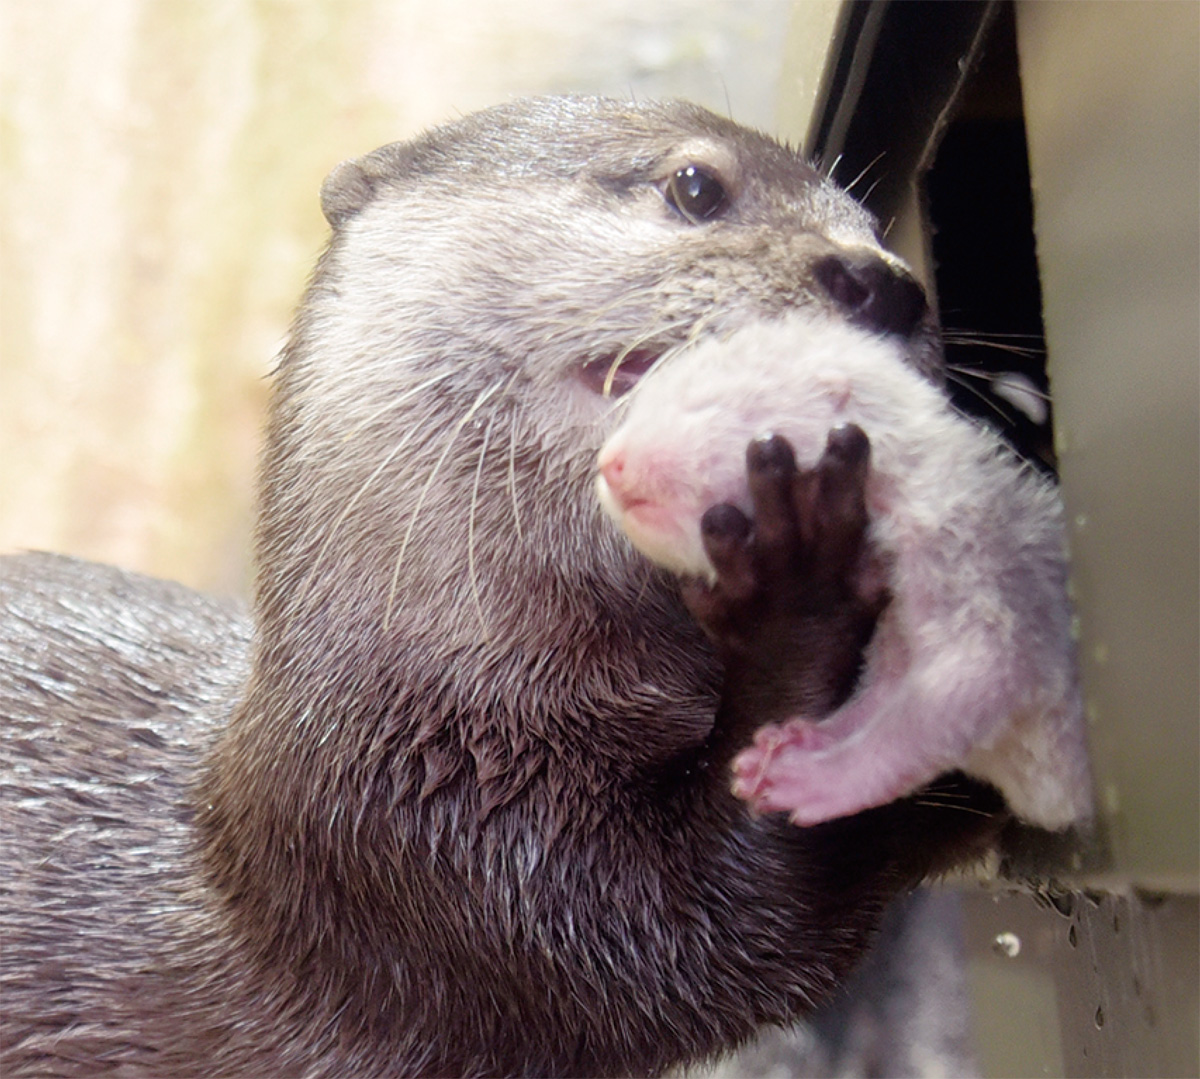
(616, 374)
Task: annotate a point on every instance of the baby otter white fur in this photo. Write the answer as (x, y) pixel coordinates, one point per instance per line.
(972, 664)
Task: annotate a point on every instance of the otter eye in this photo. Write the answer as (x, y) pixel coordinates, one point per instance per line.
(696, 193)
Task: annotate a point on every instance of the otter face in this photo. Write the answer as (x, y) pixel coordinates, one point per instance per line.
(491, 292)
(580, 240)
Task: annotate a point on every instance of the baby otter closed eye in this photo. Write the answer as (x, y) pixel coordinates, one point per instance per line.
(972, 664)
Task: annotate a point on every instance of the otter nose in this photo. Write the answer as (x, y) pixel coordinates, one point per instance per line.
(615, 475)
(873, 294)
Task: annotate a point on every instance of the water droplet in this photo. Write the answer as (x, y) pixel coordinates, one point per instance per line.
(1072, 937)
(1008, 944)
(1099, 1017)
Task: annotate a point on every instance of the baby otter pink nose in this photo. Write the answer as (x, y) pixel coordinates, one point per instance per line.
(616, 474)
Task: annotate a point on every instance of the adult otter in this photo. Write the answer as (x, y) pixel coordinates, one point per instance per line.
(463, 807)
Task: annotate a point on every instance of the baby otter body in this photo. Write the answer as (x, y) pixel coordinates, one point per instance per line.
(463, 806)
(973, 663)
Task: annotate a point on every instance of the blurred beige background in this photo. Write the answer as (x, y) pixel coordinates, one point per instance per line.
(160, 163)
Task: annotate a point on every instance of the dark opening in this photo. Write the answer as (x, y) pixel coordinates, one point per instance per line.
(980, 216)
(925, 74)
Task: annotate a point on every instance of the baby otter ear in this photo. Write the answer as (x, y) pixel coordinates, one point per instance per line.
(345, 191)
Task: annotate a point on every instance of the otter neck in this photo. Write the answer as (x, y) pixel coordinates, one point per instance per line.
(399, 735)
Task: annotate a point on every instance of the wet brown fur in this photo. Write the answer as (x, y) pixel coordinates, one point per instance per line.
(462, 806)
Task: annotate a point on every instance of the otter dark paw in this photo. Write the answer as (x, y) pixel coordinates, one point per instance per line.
(796, 596)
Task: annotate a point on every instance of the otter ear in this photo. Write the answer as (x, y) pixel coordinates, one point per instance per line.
(354, 183)
(345, 191)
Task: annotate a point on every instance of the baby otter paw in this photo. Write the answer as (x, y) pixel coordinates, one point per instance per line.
(795, 598)
(757, 768)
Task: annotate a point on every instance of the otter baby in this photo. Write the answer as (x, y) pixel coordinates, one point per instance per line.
(454, 799)
(972, 663)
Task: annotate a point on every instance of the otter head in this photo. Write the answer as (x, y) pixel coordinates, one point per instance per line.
(490, 292)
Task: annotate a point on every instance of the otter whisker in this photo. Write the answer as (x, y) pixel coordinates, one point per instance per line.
(956, 377)
(867, 194)
(992, 377)
(991, 335)
(647, 579)
(1016, 392)
(994, 343)
(472, 576)
(698, 327)
(933, 804)
(394, 403)
(638, 342)
(425, 489)
(619, 303)
(947, 792)
(869, 166)
(613, 368)
(512, 480)
(332, 530)
(695, 328)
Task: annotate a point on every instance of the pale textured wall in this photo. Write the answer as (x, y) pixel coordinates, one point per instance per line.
(161, 161)
(1112, 100)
